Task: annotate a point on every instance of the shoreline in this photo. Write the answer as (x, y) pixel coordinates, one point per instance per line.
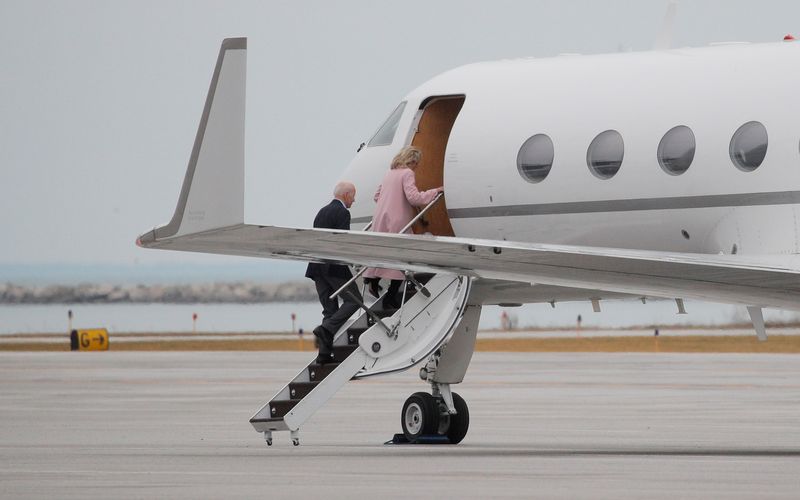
(234, 292)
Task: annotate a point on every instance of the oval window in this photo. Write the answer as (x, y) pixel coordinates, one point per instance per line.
(749, 146)
(535, 158)
(676, 150)
(605, 153)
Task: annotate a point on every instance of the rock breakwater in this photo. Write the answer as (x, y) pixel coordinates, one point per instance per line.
(223, 293)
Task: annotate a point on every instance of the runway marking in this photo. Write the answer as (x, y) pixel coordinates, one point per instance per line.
(95, 472)
(545, 385)
(428, 451)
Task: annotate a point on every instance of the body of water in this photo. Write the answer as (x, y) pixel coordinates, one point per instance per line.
(276, 317)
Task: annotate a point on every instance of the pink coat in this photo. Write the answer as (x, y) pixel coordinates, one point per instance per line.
(396, 197)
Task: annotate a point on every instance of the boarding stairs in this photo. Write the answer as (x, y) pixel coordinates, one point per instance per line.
(373, 342)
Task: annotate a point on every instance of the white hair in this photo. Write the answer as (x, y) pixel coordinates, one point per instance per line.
(342, 188)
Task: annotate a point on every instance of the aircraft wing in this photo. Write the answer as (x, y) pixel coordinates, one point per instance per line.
(768, 282)
(209, 217)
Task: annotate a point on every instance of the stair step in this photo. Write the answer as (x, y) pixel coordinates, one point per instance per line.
(318, 372)
(353, 334)
(384, 313)
(424, 278)
(341, 352)
(299, 390)
(265, 420)
(277, 409)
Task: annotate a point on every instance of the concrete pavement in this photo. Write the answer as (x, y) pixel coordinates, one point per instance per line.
(174, 425)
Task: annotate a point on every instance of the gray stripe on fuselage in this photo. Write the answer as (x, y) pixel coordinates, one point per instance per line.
(582, 207)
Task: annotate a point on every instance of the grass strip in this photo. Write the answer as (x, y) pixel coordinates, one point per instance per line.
(785, 344)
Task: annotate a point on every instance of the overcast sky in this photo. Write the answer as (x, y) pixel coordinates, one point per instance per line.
(100, 101)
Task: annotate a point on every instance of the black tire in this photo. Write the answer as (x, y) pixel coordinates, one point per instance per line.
(459, 423)
(420, 416)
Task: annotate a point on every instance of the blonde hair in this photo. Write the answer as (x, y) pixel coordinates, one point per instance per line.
(408, 154)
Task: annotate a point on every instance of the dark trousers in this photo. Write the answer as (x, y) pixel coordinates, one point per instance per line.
(333, 314)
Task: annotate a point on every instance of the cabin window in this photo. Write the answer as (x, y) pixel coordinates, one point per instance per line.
(535, 158)
(605, 153)
(676, 150)
(385, 135)
(749, 146)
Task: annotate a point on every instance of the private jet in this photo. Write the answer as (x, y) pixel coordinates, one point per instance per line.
(671, 174)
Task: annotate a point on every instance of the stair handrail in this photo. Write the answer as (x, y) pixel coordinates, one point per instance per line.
(407, 226)
(353, 268)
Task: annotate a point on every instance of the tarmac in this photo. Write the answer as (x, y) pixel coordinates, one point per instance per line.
(579, 425)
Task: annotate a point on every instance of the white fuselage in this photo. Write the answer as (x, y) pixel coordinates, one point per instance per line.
(710, 208)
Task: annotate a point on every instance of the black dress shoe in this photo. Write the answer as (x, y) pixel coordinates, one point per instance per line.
(325, 338)
(375, 287)
(323, 359)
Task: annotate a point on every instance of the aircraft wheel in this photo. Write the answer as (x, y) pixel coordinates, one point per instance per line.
(420, 416)
(459, 423)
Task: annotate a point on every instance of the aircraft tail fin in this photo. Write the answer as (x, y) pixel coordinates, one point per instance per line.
(664, 39)
(212, 195)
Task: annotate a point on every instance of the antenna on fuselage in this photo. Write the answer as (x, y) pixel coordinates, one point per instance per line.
(664, 39)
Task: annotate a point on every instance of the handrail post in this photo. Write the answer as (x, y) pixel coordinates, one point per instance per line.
(410, 277)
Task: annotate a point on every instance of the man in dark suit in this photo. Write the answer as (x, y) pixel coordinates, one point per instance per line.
(331, 277)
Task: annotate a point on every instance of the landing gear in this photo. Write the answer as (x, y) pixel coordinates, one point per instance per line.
(268, 437)
(420, 416)
(458, 424)
(426, 418)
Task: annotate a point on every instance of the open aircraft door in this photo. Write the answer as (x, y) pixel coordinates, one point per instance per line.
(434, 122)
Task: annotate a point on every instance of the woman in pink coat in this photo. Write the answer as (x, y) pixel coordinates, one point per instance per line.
(396, 197)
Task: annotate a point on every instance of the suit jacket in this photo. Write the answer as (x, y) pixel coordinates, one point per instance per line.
(332, 216)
